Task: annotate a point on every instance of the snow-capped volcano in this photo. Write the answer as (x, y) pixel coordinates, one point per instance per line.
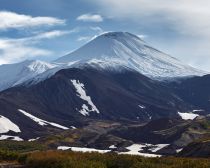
(112, 51)
(122, 49)
(15, 74)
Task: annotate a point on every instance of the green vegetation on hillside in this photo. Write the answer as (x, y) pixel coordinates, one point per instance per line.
(68, 159)
(35, 155)
(6, 155)
(65, 159)
(21, 146)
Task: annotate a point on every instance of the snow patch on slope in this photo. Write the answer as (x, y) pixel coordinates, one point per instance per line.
(198, 110)
(142, 106)
(135, 149)
(144, 109)
(33, 139)
(42, 122)
(9, 137)
(158, 147)
(188, 116)
(80, 88)
(81, 149)
(112, 147)
(179, 150)
(6, 125)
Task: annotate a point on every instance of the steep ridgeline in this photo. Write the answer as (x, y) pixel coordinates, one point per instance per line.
(18, 73)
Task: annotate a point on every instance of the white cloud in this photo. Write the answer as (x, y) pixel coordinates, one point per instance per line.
(188, 17)
(49, 35)
(90, 18)
(13, 20)
(15, 50)
(98, 29)
(180, 27)
(84, 38)
(96, 32)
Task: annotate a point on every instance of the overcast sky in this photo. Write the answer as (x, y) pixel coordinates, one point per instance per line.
(47, 29)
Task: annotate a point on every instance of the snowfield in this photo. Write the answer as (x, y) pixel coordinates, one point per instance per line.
(33, 139)
(81, 149)
(42, 122)
(158, 147)
(80, 88)
(13, 138)
(135, 149)
(188, 116)
(6, 125)
(112, 147)
(179, 150)
(199, 110)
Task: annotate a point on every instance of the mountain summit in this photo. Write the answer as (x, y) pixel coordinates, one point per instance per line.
(123, 49)
(113, 51)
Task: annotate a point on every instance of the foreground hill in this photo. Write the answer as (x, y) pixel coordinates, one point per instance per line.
(55, 159)
(73, 96)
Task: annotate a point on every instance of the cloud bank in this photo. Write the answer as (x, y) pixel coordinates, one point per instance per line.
(189, 16)
(13, 20)
(20, 48)
(179, 27)
(90, 18)
(15, 50)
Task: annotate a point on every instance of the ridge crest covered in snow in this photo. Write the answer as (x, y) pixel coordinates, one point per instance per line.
(110, 51)
(122, 49)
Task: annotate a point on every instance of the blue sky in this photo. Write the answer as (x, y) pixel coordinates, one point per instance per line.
(47, 29)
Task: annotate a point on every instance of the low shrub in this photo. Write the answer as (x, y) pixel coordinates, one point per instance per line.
(64, 159)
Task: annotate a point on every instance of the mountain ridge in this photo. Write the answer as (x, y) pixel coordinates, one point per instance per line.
(18, 73)
(112, 51)
(127, 50)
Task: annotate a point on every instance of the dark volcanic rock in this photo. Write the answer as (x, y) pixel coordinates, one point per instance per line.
(117, 95)
(196, 149)
(195, 91)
